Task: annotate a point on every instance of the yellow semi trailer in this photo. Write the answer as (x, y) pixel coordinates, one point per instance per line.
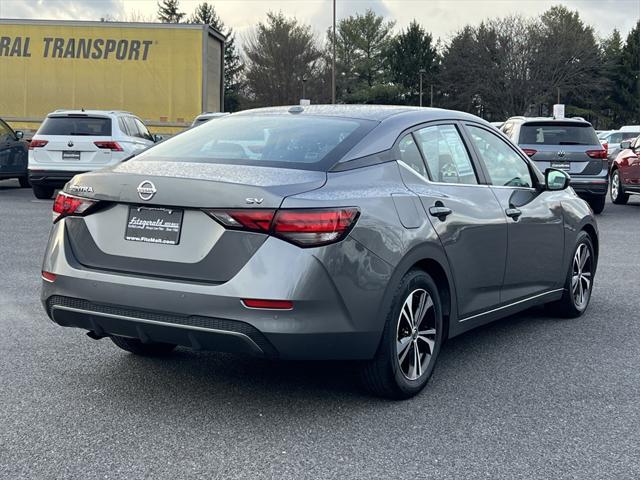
(164, 73)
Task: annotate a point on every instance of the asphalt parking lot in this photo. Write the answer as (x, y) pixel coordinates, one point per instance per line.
(526, 397)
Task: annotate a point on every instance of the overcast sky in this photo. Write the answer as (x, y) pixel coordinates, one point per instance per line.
(441, 17)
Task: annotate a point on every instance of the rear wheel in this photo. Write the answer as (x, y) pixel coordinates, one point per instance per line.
(24, 182)
(579, 281)
(137, 347)
(597, 203)
(410, 342)
(618, 195)
(43, 193)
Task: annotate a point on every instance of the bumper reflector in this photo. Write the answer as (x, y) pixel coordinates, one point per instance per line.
(49, 277)
(268, 304)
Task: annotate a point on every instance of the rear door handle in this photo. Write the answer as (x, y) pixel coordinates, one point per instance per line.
(513, 213)
(440, 211)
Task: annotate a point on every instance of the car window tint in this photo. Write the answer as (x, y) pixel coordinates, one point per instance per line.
(5, 133)
(446, 155)
(557, 133)
(75, 125)
(410, 155)
(505, 166)
(132, 127)
(123, 126)
(142, 129)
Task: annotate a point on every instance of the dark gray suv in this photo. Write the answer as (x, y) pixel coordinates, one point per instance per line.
(569, 144)
(326, 232)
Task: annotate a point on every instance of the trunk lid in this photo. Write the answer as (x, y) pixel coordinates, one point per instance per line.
(80, 152)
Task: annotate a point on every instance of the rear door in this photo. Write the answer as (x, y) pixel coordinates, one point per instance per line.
(76, 142)
(562, 145)
(534, 218)
(465, 214)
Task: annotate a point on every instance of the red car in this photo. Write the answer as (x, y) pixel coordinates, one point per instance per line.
(625, 172)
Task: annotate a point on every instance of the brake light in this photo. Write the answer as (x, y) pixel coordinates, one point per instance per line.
(529, 151)
(109, 145)
(37, 144)
(268, 304)
(601, 153)
(302, 227)
(68, 205)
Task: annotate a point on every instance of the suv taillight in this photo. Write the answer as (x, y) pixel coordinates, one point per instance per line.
(302, 227)
(529, 151)
(601, 153)
(67, 205)
(37, 144)
(109, 145)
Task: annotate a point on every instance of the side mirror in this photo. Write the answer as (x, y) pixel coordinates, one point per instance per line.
(19, 134)
(555, 179)
(626, 144)
(157, 138)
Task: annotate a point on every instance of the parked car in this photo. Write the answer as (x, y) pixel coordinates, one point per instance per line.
(569, 144)
(206, 116)
(76, 141)
(613, 139)
(13, 155)
(368, 233)
(625, 172)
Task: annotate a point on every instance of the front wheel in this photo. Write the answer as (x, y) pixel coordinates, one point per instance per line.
(135, 346)
(410, 342)
(24, 182)
(579, 282)
(597, 203)
(42, 193)
(618, 195)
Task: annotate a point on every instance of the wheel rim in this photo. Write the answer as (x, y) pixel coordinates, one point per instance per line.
(615, 185)
(415, 334)
(581, 276)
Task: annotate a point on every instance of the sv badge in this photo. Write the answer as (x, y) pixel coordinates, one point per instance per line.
(254, 201)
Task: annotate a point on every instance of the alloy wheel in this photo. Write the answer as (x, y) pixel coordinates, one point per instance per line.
(615, 185)
(416, 334)
(581, 276)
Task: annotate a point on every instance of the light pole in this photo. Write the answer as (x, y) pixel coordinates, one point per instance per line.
(304, 84)
(333, 58)
(421, 71)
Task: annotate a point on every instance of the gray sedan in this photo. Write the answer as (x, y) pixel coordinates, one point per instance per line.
(367, 233)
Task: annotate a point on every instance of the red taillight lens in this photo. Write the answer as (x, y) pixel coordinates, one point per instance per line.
(253, 220)
(308, 228)
(48, 276)
(606, 147)
(37, 144)
(529, 151)
(113, 146)
(66, 205)
(268, 304)
(602, 153)
(303, 227)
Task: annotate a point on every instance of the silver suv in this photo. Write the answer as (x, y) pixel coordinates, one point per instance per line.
(568, 144)
(76, 141)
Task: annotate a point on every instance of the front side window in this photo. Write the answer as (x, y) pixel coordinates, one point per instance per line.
(446, 155)
(142, 129)
(6, 134)
(410, 155)
(505, 166)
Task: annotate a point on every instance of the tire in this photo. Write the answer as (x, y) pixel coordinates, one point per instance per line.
(597, 203)
(42, 193)
(24, 182)
(616, 190)
(568, 306)
(388, 375)
(135, 346)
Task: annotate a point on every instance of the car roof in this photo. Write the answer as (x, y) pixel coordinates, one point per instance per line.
(577, 120)
(377, 113)
(106, 113)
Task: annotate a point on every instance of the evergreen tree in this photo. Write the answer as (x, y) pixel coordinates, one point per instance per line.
(169, 11)
(630, 77)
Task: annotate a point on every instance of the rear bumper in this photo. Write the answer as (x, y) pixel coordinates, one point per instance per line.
(331, 320)
(590, 185)
(51, 178)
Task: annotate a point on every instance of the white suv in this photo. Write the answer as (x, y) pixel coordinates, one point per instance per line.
(76, 141)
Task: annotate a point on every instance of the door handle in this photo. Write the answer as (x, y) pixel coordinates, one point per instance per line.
(440, 211)
(513, 213)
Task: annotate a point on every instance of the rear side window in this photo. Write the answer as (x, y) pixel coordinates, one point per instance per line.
(292, 141)
(557, 133)
(144, 133)
(132, 128)
(76, 125)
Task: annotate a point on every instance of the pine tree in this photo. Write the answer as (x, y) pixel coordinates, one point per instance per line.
(168, 11)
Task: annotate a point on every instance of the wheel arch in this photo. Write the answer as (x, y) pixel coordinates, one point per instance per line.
(593, 234)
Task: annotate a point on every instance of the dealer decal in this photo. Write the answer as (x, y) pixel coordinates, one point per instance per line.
(88, 48)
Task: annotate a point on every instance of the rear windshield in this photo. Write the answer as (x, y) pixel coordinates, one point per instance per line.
(558, 133)
(291, 141)
(80, 125)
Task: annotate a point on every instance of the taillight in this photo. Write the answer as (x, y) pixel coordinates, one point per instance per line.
(606, 147)
(302, 227)
(37, 144)
(529, 151)
(68, 205)
(108, 145)
(600, 153)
